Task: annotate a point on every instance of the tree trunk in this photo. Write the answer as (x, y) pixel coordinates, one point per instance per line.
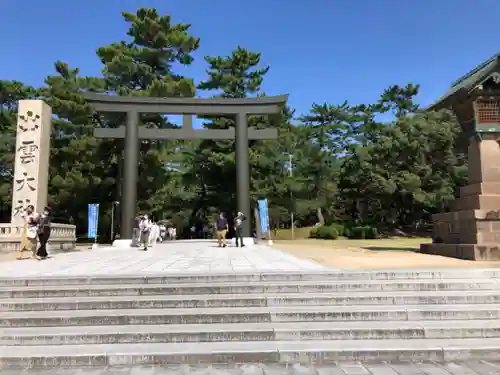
(319, 214)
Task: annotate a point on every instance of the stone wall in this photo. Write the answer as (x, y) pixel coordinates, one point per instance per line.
(62, 237)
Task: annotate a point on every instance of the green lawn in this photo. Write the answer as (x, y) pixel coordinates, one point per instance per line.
(393, 243)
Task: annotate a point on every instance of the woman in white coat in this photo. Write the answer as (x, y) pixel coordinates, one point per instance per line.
(145, 231)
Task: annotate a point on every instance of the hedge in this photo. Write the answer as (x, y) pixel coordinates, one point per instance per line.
(325, 232)
(362, 232)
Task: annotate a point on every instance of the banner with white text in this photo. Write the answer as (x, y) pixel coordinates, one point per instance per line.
(264, 215)
(93, 220)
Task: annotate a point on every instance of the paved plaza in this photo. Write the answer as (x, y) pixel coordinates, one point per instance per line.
(172, 257)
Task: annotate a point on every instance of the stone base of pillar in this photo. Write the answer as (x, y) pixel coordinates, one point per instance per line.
(247, 241)
(472, 229)
(472, 234)
(62, 238)
(483, 252)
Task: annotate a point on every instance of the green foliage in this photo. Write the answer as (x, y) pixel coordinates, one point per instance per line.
(399, 100)
(144, 65)
(371, 233)
(357, 233)
(234, 76)
(324, 232)
(411, 171)
(210, 164)
(339, 227)
(362, 232)
(337, 163)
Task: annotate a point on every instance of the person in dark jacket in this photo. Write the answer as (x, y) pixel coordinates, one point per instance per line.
(221, 226)
(44, 232)
(238, 228)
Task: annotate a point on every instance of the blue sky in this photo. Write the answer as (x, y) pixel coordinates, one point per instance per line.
(318, 50)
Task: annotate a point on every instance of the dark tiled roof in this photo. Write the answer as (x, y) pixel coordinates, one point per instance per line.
(472, 78)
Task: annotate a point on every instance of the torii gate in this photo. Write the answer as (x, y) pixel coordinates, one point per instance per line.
(134, 105)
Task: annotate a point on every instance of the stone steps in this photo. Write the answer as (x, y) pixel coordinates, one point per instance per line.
(263, 287)
(341, 368)
(308, 352)
(248, 300)
(249, 315)
(327, 275)
(319, 317)
(294, 331)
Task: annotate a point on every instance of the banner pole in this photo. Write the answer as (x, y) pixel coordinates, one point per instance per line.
(270, 241)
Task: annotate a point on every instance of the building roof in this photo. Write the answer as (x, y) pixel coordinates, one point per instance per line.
(470, 80)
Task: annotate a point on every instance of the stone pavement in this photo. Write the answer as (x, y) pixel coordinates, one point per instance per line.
(171, 257)
(400, 368)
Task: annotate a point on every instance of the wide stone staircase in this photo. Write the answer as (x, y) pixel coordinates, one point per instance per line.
(307, 318)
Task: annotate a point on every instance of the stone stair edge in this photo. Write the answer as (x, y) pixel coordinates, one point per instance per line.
(326, 351)
(250, 284)
(424, 274)
(228, 301)
(249, 310)
(250, 296)
(243, 327)
(285, 368)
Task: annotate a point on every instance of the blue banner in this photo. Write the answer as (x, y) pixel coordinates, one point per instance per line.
(263, 215)
(93, 220)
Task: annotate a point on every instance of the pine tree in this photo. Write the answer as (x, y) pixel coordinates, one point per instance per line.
(234, 76)
(144, 66)
(10, 93)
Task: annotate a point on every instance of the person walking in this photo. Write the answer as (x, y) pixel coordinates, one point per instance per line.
(221, 227)
(238, 228)
(154, 234)
(163, 232)
(44, 233)
(145, 229)
(136, 233)
(30, 231)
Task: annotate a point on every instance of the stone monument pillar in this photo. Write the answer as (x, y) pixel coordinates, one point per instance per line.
(31, 165)
(31, 177)
(471, 230)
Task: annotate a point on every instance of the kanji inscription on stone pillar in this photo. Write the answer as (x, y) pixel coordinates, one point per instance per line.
(31, 166)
